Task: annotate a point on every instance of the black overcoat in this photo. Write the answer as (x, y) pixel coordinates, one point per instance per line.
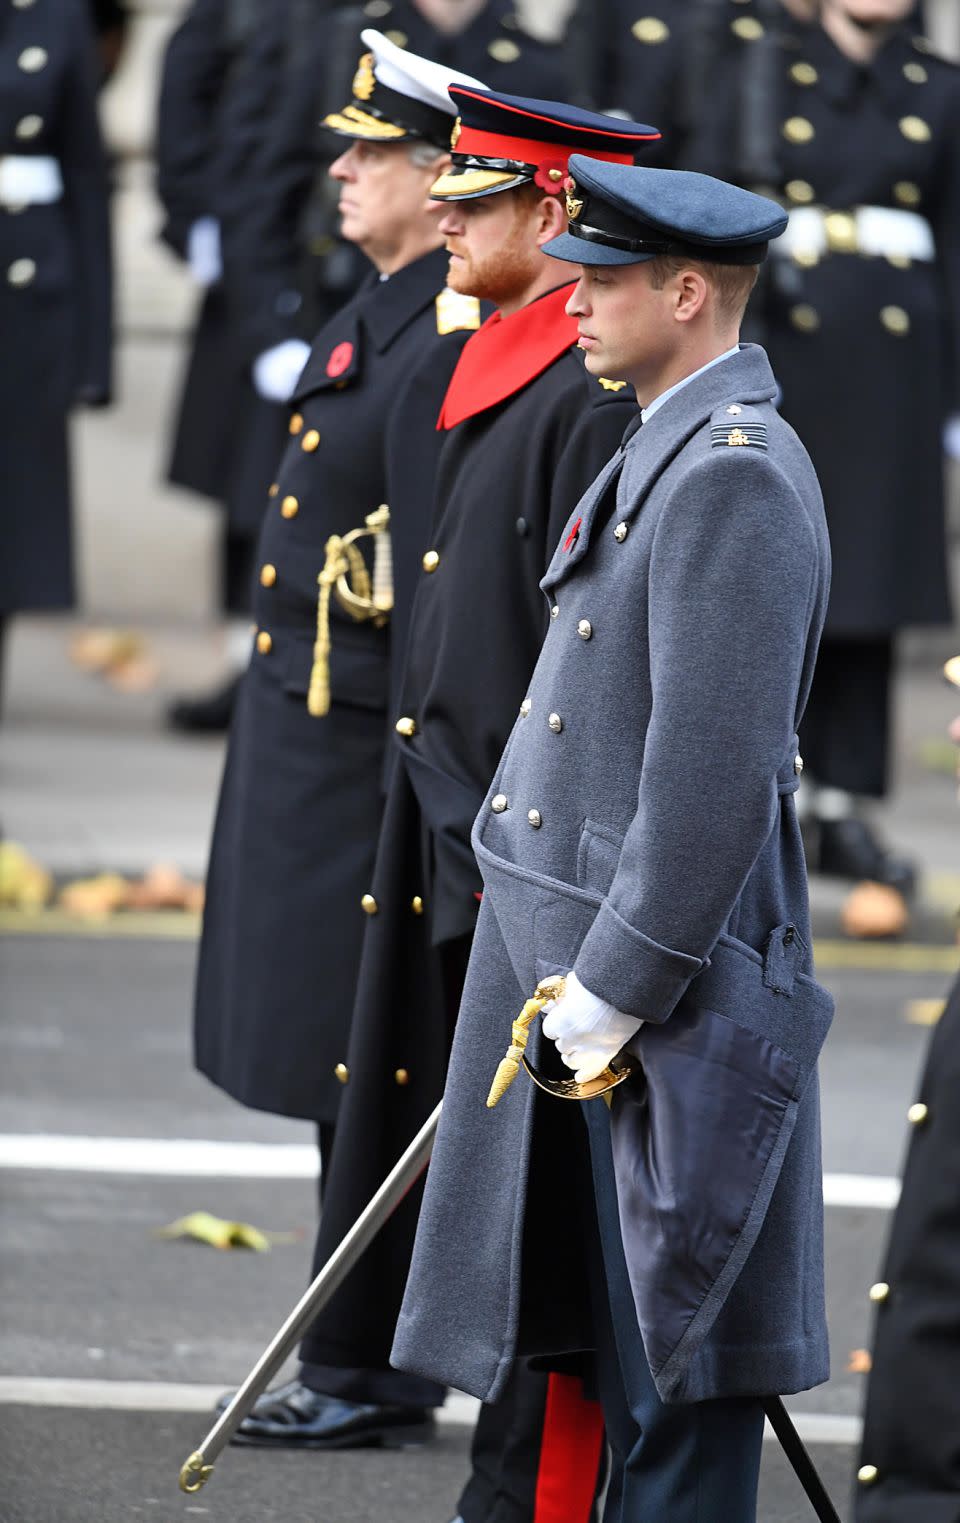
(55, 293)
(506, 482)
(301, 796)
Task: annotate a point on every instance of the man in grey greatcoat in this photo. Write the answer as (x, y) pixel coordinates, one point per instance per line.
(640, 837)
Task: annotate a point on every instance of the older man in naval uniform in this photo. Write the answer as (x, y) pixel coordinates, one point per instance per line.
(640, 838)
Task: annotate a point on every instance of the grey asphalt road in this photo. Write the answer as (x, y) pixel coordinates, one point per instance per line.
(94, 1042)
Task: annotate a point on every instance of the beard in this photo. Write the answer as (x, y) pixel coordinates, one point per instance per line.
(500, 276)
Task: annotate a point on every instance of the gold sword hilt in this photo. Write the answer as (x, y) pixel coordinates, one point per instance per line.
(195, 1473)
(621, 1067)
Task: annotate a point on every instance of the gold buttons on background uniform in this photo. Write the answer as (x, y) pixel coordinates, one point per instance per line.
(21, 272)
(916, 73)
(805, 319)
(273, 489)
(406, 727)
(503, 50)
(585, 629)
(431, 560)
(896, 321)
(917, 1114)
(369, 905)
(28, 127)
(796, 129)
(907, 193)
(650, 29)
(290, 507)
(803, 74)
(416, 904)
(867, 1474)
(800, 191)
(32, 60)
(264, 642)
(915, 129)
(498, 803)
(747, 28)
(879, 1292)
(296, 423)
(268, 575)
(402, 1076)
(342, 1072)
(310, 441)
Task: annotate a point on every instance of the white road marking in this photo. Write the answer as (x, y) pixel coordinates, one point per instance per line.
(182, 1157)
(170, 1396)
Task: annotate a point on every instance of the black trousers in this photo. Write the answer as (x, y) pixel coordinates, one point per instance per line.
(845, 734)
(695, 1463)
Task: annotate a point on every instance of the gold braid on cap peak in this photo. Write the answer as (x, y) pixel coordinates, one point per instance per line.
(547, 989)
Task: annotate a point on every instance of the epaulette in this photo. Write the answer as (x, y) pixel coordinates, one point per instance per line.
(732, 429)
(456, 312)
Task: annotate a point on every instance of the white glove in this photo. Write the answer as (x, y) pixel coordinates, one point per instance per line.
(587, 1031)
(951, 436)
(277, 371)
(203, 251)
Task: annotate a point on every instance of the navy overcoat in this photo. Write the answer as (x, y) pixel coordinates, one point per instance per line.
(641, 828)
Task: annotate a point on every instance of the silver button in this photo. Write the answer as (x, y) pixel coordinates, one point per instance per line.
(585, 629)
(555, 723)
(525, 707)
(498, 803)
(535, 818)
(735, 410)
(798, 764)
(620, 533)
(28, 127)
(554, 610)
(32, 60)
(21, 272)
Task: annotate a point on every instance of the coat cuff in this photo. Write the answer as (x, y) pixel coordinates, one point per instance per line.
(639, 976)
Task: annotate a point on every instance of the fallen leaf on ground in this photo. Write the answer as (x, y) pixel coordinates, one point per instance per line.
(24, 884)
(859, 1362)
(102, 895)
(99, 650)
(204, 1227)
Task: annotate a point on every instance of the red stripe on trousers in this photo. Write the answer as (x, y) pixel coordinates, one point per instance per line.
(569, 1454)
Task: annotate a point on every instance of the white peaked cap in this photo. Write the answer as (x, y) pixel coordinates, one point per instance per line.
(419, 78)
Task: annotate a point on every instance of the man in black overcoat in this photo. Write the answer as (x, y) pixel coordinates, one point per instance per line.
(524, 429)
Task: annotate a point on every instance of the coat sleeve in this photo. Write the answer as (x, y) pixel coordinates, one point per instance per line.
(733, 579)
(947, 231)
(192, 81)
(86, 200)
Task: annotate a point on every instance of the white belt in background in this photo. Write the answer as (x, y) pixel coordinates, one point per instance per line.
(883, 232)
(29, 180)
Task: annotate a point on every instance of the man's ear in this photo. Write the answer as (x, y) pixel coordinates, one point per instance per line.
(552, 219)
(691, 293)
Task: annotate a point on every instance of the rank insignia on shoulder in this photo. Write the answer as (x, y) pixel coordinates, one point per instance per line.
(456, 312)
(749, 435)
(611, 385)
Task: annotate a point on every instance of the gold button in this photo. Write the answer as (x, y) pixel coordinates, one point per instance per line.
(264, 642)
(32, 60)
(406, 727)
(290, 507)
(917, 1114)
(915, 129)
(585, 629)
(416, 904)
(747, 28)
(879, 1292)
(895, 320)
(555, 610)
(650, 29)
(555, 723)
(400, 39)
(620, 533)
(342, 1072)
(503, 50)
(431, 560)
(916, 73)
(268, 575)
(498, 803)
(29, 126)
(273, 489)
(803, 74)
(841, 231)
(525, 707)
(867, 1474)
(402, 1076)
(798, 764)
(899, 262)
(21, 272)
(807, 259)
(369, 905)
(535, 818)
(907, 193)
(800, 191)
(796, 129)
(805, 318)
(296, 423)
(310, 441)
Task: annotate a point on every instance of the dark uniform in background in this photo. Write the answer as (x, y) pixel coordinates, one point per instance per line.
(861, 317)
(55, 288)
(525, 429)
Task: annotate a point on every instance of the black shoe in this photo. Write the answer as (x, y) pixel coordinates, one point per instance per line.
(294, 1417)
(848, 848)
(209, 714)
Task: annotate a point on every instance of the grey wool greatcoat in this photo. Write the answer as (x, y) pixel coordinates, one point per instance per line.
(641, 828)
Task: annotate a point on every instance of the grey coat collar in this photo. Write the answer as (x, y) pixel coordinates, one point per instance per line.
(745, 378)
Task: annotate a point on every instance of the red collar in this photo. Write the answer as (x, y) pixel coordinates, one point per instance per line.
(506, 354)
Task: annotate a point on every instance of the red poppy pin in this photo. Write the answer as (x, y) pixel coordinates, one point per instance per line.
(573, 536)
(340, 360)
(550, 176)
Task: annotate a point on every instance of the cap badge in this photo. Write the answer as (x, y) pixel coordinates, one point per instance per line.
(455, 134)
(341, 357)
(364, 80)
(574, 205)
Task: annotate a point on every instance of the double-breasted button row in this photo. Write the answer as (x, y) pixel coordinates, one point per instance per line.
(21, 272)
(431, 560)
(806, 319)
(28, 127)
(342, 1073)
(264, 642)
(406, 727)
(370, 906)
(554, 721)
(32, 60)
